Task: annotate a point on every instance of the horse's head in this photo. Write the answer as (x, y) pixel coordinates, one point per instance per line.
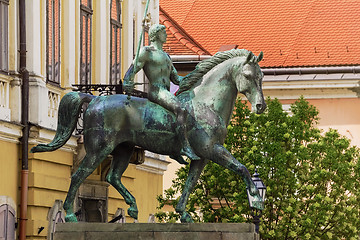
(248, 78)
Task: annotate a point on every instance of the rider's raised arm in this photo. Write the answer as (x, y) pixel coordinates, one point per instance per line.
(130, 73)
(128, 81)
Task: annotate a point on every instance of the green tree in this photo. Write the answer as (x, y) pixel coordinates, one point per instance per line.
(312, 178)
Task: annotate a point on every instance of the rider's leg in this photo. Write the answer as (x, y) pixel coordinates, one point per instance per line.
(167, 100)
(181, 117)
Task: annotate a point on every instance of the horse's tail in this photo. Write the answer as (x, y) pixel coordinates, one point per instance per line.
(69, 109)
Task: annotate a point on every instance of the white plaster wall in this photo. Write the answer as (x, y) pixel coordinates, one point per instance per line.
(38, 101)
(13, 36)
(68, 36)
(15, 100)
(33, 37)
(101, 41)
(128, 14)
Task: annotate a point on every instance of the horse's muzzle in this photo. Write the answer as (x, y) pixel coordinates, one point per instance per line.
(260, 107)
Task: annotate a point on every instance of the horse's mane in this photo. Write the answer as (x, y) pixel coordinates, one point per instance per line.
(203, 67)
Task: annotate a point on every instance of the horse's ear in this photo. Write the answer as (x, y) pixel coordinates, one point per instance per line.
(260, 57)
(248, 58)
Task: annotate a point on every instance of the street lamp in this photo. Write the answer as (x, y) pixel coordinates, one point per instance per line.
(256, 213)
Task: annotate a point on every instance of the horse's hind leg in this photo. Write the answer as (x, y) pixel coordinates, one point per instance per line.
(121, 158)
(196, 168)
(90, 162)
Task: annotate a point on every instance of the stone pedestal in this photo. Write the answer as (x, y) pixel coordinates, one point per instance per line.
(155, 231)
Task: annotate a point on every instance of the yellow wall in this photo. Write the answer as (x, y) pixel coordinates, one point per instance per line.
(144, 186)
(9, 170)
(49, 179)
(115, 200)
(338, 113)
(147, 186)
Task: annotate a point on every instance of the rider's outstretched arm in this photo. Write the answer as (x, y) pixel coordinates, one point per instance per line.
(174, 77)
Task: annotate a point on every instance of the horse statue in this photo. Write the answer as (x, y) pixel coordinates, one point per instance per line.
(115, 124)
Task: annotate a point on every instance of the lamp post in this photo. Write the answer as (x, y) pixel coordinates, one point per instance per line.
(256, 213)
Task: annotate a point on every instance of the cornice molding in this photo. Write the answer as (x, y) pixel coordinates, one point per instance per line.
(44, 136)
(154, 163)
(10, 132)
(312, 82)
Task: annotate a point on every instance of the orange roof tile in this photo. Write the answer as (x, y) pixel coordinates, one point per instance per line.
(181, 7)
(289, 32)
(178, 41)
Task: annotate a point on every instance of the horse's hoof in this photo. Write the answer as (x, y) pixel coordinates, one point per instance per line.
(133, 212)
(70, 217)
(186, 218)
(258, 203)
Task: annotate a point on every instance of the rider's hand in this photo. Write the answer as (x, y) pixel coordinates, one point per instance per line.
(129, 86)
(128, 83)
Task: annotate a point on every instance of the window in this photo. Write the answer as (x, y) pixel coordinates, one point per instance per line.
(4, 5)
(85, 41)
(115, 42)
(53, 41)
(146, 39)
(7, 222)
(92, 202)
(146, 42)
(133, 38)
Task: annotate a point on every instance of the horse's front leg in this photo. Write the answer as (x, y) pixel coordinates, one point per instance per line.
(196, 168)
(224, 158)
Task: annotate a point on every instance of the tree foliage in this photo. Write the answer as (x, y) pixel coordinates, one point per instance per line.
(312, 178)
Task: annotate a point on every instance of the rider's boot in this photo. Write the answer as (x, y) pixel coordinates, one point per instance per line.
(188, 151)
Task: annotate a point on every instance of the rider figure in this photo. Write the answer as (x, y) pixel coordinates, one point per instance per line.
(159, 69)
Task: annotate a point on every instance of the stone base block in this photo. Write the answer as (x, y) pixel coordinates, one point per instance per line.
(155, 231)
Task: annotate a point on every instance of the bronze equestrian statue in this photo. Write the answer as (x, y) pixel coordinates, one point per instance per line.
(115, 125)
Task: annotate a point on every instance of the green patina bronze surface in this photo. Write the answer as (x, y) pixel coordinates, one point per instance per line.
(160, 71)
(115, 124)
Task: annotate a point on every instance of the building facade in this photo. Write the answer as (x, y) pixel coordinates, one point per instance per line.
(81, 42)
(310, 50)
